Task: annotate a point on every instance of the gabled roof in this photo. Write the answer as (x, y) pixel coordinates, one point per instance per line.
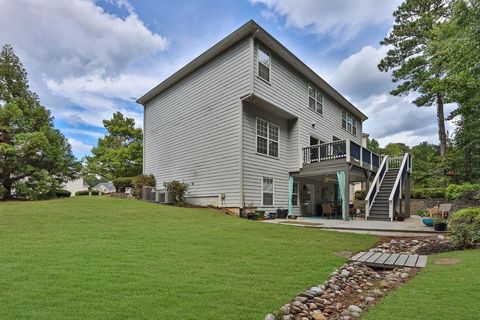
(107, 185)
(249, 29)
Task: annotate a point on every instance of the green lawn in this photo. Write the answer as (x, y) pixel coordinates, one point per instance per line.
(445, 292)
(104, 258)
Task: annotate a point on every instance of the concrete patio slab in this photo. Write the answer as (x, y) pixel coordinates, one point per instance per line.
(412, 226)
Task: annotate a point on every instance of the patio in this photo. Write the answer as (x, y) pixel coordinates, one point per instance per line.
(412, 226)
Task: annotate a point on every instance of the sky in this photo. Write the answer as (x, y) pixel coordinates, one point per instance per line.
(87, 59)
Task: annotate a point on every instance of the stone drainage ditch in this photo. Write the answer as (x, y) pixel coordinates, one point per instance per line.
(353, 288)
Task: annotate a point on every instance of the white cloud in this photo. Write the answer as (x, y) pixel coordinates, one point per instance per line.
(76, 53)
(79, 148)
(391, 118)
(358, 75)
(84, 132)
(340, 18)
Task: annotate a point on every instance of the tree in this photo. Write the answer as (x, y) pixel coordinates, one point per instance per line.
(456, 44)
(413, 66)
(120, 152)
(396, 149)
(425, 165)
(35, 158)
(374, 146)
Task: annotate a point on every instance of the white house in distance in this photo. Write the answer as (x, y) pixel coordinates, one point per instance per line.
(104, 187)
(76, 185)
(249, 125)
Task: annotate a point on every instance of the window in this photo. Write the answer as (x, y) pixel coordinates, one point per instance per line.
(264, 64)
(295, 193)
(315, 99)
(267, 188)
(349, 122)
(267, 138)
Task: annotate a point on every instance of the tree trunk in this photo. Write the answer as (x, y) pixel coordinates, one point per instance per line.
(7, 192)
(441, 125)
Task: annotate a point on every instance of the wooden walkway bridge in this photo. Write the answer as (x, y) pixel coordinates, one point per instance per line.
(390, 260)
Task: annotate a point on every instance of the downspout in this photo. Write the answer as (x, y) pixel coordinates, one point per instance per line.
(252, 70)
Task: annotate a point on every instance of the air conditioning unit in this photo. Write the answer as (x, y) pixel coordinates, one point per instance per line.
(163, 196)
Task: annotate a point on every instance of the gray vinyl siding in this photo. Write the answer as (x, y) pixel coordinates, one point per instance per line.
(256, 166)
(289, 90)
(192, 130)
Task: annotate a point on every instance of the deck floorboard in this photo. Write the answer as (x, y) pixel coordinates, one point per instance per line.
(390, 260)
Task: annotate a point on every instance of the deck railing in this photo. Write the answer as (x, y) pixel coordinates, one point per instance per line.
(342, 149)
(375, 187)
(397, 190)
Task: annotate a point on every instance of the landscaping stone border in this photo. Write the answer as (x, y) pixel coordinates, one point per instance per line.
(354, 288)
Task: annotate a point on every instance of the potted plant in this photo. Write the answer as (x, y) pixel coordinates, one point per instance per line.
(439, 223)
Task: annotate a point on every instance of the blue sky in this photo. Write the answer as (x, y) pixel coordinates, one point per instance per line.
(87, 59)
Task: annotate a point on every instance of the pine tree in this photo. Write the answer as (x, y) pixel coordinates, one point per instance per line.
(412, 65)
(35, 158)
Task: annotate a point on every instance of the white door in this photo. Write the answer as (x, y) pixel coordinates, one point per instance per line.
(308, 200)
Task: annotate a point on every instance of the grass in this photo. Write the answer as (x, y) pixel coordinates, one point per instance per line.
(437, 292)
(104, 258)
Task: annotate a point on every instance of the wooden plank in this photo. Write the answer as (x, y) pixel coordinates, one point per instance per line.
(373, 258)
(411, 261)
(391, 260)
(365, 256)
(421, 262)
(401, 260)
(382, 259)
(357, 256)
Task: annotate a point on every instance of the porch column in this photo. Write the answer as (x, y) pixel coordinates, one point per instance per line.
(342, 178)
(290, 196)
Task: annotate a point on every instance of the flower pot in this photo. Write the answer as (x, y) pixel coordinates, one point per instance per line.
(442, 226)
(428, 222)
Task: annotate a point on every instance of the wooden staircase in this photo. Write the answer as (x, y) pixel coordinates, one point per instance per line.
(379, 210)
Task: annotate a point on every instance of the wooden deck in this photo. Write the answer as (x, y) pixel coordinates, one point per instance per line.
(390, 260)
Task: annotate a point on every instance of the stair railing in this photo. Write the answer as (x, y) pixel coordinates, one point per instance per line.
(397, 189)
(375, 187)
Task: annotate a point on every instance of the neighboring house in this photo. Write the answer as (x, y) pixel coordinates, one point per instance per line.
(76, 185)
(104, 187)
(249, 125)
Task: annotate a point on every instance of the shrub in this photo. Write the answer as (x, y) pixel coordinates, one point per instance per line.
(426, 193)
(360, 194)
(457, 191)
(465, 227)
(122, 183)
(141, 181)
(422, 212)
(86, 193)
(62, 193)
(177, 190)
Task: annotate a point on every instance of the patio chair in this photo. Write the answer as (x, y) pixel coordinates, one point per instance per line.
(327, 209)
(445, 209)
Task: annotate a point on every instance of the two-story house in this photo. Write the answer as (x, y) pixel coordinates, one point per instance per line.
(247, 124)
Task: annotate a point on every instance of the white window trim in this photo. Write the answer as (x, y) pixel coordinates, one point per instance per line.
(354, 120)
(262, 48)
(273, 192)
(315, 89)
(268, 139)
(297, 194)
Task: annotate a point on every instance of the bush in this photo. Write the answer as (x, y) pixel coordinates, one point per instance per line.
(422, 213)
(457, 191)
(122, 183)
(177, 190)
(62, 193)
(86, 193)
(141, 181)
(426, 193)
(360, 194)
(465, 227)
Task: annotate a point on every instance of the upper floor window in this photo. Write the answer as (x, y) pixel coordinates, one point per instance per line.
(264, 63)
(267, 138)
(349, 122)
(315, 99)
